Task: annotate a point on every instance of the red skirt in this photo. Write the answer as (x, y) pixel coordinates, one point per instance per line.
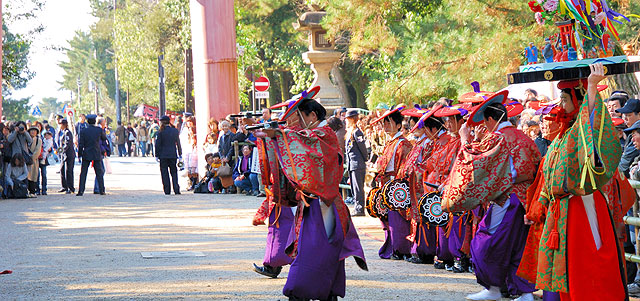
(593, 274)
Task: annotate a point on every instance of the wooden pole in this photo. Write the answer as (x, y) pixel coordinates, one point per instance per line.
(128, 117)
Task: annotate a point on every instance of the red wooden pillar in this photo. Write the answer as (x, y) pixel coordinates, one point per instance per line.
(1, 54)
(215, 65)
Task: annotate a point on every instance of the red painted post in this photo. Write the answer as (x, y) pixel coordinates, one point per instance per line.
(215, 64)
(1, 53)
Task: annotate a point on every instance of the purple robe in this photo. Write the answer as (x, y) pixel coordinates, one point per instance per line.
(496, 256)
(274, 254)
(317, 271)
(399, 229)
(442, 251)
(386, 250)
(425, 244)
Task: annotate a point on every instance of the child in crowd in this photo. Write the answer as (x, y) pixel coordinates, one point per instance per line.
(213, 163)
(47, 159)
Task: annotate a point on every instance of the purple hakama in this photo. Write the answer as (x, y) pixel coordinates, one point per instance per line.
(496, 256)
(386, 250)
(274, 255)
(399, 229)
(317, 272)
(425, 244)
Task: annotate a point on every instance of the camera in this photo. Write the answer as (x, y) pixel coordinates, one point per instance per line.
(21, 128)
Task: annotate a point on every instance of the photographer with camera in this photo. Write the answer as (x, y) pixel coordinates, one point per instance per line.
(19, 140)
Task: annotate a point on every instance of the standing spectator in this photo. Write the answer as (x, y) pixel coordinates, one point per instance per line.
(47, 127)
(631, 115)
(211, 145)
(153, 134)
(67, 157)
(356, 156)
(19, 139)
(81, 125)
(89, 151)
(338, 127)
(47, 150)
(224, 142)
(266, 115)
(143, 138)
(36, 150)
(213, 128)
(616, 101)
(168, 150)
(121, 139)
(16, 177)
(105, 150)
(131, 138)
(244, 179)
(191, 151)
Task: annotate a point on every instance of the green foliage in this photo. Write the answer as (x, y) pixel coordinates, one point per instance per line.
(50, 105)
(16, 109)
(143, 31)
(270, 43)
(15, 59)
(89, 64)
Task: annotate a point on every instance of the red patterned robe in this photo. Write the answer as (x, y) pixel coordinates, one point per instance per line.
(395, 224)
(398, 149)
(438, 166)
(496, 169)
(413, 169)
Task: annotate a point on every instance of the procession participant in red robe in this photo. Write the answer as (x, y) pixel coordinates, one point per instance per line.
(396, 224)
(323, 234)
(579, 199)
(425, 129)
(498, 169)
(274, 208)
(437, 168)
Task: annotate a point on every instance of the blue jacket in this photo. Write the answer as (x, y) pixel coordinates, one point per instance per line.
(89, 142)
(168, 144)
(237, 170)
(356, 151)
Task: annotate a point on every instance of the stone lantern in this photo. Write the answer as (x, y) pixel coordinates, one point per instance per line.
(322, 57)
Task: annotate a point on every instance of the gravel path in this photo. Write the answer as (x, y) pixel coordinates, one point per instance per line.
(67, 247)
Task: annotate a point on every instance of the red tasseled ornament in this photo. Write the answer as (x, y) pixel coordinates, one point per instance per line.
(535, 7)
(553, 240)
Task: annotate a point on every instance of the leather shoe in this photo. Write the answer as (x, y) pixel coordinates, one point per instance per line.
(69, 192)
(62, 190)
(103, 193)
(267, 270)
(80, 194)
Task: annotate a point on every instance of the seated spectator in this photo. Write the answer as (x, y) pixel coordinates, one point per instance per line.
(16, 177)
(213, 163)
(244, 179)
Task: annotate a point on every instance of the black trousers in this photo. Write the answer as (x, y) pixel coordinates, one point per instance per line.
(168, 166)
(357, 188)
(98, 168)
(66, 173)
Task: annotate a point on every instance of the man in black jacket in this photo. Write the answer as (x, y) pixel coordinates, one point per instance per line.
(89, 151)
(168, 150)
(67, 157)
